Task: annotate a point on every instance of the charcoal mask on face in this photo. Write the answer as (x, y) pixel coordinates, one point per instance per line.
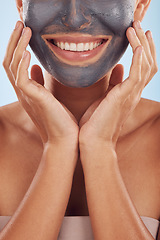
(78, 41)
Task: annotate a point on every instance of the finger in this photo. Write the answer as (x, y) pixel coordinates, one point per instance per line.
(153, 51)
(143, 40)
(37, 75)
(22, 80)
(125, 89)
(15, 36)
(132, 38)
(29, 87)
(151, 44)
(135, 70)
(13, 41)
(134, 78)
(135, 42)
(22, 44)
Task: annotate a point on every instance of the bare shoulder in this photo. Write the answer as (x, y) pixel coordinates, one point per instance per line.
(143, 127)
(146, 113)
(7, 110)
(139, 148)
(147, 110)
(14, 122)
(10, 117)
(20, 154)
(9, 125)
(151, 111)
(7, 118)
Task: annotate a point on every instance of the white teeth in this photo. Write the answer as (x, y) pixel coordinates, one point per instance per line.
(66, 46)
(73, 47)
(95, 45)
(61, 45)
(91, 46)
(79, 47)
(86, 46)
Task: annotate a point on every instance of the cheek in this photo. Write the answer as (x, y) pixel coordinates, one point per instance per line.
(38, 14)
(115, 15)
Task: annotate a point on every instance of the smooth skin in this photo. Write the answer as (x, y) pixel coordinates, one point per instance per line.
(114, 130)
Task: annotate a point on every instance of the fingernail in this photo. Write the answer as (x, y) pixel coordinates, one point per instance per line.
(133, 31)
(150, 34)
(17, 25)
(138, 24)
(24, 31)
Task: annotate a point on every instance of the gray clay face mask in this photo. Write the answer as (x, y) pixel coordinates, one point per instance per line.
(78, 41)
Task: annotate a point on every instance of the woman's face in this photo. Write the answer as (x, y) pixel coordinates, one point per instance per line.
(78, 41)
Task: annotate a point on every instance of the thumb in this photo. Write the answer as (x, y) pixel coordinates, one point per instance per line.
(37, 75)
(117, 75)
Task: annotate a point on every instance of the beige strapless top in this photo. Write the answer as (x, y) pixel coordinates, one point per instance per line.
(79, 227)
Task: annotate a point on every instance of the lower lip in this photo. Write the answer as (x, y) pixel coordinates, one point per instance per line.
(74, 58)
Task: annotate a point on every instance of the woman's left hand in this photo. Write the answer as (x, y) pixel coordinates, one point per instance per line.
(103, 121)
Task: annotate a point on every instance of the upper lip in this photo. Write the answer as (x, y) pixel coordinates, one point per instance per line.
(75, 37)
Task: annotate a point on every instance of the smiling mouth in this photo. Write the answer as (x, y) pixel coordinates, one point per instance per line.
(77, 49)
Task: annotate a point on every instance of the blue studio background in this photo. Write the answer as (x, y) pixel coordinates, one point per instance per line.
(9, 16)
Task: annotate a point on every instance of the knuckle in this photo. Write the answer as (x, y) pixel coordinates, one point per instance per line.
(155, 68)
(5, 64)
(151, 62)
(12, 67)
(148, 72)
(136, 79)
(148, 67)
(147, 64)
(139, 80)
(18, 83)
(147, 76)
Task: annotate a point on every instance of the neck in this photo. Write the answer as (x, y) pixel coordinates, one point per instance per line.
(77, 100)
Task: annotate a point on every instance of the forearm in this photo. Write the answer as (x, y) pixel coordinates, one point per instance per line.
(113, 215)
(41, 212)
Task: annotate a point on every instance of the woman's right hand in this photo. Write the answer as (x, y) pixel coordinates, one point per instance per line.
(54, 122)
